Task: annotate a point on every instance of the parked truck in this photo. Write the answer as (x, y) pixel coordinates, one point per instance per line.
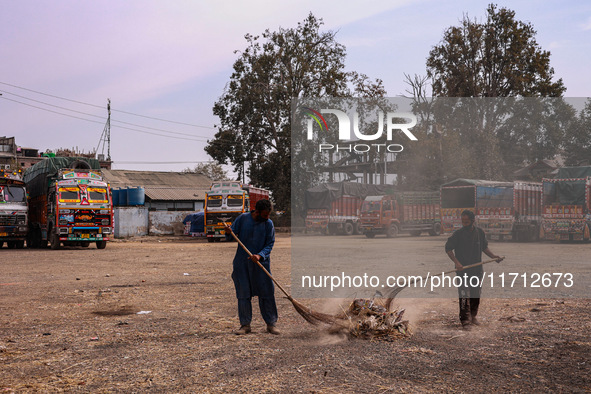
(504, 210)
(334, 208)
(13, 210)
(401, 212)
(225, 201)
(566, 210)
(70, 203)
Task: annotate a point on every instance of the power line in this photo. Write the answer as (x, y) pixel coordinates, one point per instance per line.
(98, 106)
(100, 117)
(94, 121)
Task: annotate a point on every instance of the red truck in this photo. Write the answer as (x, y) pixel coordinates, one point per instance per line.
(334, 208)
(402, 212)
(566, 210)
(504, 210)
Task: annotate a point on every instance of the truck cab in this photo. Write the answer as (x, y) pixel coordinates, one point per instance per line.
(13, 210)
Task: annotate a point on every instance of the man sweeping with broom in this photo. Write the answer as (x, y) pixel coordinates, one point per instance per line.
(464, 248)
(256, 231)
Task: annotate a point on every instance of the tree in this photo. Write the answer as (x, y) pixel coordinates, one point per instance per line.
(255, 108)
(578, 139)
(495, 63)
(212, 170)
(497, 58)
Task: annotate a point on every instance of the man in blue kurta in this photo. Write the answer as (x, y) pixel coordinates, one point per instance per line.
(257, 233)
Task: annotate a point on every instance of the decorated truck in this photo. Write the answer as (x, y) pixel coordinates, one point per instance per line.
(70, 203)
(334, 208)
(566, 210)
(401, 212)
(225, 201)
(504, 210)
(13, 210)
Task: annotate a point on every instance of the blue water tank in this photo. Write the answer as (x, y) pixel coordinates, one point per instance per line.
(122, 196)
(115, 194)
(136, 196)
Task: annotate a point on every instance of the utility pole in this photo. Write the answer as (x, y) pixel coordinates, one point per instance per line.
(106, 134)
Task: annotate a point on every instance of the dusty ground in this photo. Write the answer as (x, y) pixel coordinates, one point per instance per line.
(51, 339)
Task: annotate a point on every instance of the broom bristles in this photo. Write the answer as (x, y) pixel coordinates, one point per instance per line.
(311, 316)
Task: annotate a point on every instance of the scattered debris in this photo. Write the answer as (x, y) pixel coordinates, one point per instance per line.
(366, 319)
(144, 312)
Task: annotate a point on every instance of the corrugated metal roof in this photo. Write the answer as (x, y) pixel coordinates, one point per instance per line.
(130, 178)
(175, 193)
(162, 185)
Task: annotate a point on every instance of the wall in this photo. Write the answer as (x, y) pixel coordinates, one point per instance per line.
(167, 222)
(130, 221)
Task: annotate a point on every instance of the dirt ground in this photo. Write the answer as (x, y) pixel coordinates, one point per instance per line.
(157, 314)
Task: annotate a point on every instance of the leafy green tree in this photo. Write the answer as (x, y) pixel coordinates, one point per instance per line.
(255, 108)
(578, 139)
(497, 58)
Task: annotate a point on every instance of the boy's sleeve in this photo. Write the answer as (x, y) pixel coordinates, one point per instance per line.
(269, 241)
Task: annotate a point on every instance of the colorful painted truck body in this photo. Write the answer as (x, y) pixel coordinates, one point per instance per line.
(225, 201)
(13, 210)
(504, 210)
(402, 212)
(70, 203)
(335, 208)
(567, 205)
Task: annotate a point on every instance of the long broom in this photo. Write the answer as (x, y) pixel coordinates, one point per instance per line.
(311, 316)
(397, 289)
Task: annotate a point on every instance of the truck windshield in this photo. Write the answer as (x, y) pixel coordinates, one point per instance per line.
(15, 194)
(214, 201)
(234, 201)
(69, 194)
(97, 195)
(371, 206)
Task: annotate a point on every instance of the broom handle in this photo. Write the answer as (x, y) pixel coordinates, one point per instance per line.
(258, 262)
(466, 267)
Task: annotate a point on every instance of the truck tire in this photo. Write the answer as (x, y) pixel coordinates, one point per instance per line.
(20, 244)
(348, 228)
(1, 244)
(101, 244)
(392, 231)
(436, 230)
(358, 229)
(54, 240)
(370, 234)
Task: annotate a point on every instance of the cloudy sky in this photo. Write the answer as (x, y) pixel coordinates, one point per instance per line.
(164, 63)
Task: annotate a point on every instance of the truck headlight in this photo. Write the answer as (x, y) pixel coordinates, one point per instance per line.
(63, 230)
(107, 230)
(105, 222)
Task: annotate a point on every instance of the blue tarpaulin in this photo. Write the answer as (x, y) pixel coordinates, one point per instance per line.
(197, 221)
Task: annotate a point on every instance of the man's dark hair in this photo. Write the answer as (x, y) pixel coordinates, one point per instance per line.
(468, 213)
(263, 205)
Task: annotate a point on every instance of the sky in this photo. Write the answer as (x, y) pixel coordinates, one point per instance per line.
(164, 64)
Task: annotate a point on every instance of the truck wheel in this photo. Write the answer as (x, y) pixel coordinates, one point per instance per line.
(415, 233)
(20, 244)
(358, 228)
(101, 244)
(1, 244)
(392, 231)
(54, 240)
(348, 228)
(369, 234)
(436, 230)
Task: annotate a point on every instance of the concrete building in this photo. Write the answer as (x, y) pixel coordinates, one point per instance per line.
(169, 197)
